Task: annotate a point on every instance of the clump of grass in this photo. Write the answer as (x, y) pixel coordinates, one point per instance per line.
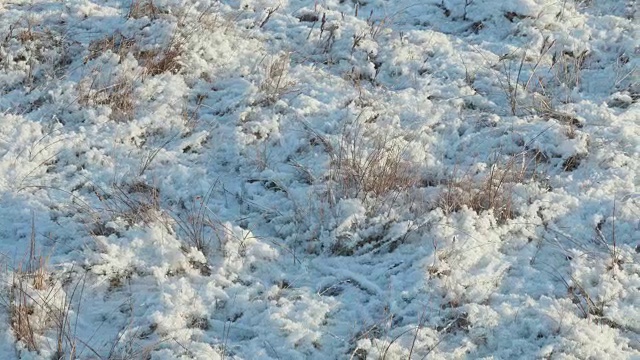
(567, 66)
(37, 306)
(368, 163)
(35, 311)
(43, 49)
(26, 280)
(493, 190)
(199, 225)
(532, 80)
(116, 43)
(137, 203)
(142, 8)
(118, 95)
(276, 82)
(21, 312)
(161, 60)
(116, 88)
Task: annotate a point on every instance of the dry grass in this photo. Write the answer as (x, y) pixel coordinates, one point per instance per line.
(276, 82)
(36, 311)
(32, 277)
(567, 67)
(21, 311)
(118, 91)
(200, 226)
(118, 95)
(137, 203)
(142, 8)
(162, 60)
(196, 223)
(45, 49)
(493, 190)
(368, 163)
(37, 306)
(116, 43)
(530, 82)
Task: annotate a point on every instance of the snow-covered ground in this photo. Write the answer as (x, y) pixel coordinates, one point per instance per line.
(330, 179)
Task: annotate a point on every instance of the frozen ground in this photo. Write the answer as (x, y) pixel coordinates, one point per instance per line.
(331, 179)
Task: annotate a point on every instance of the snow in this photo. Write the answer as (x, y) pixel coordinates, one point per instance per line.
(250, 179)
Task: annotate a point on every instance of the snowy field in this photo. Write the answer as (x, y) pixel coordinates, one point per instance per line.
(330, 179)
